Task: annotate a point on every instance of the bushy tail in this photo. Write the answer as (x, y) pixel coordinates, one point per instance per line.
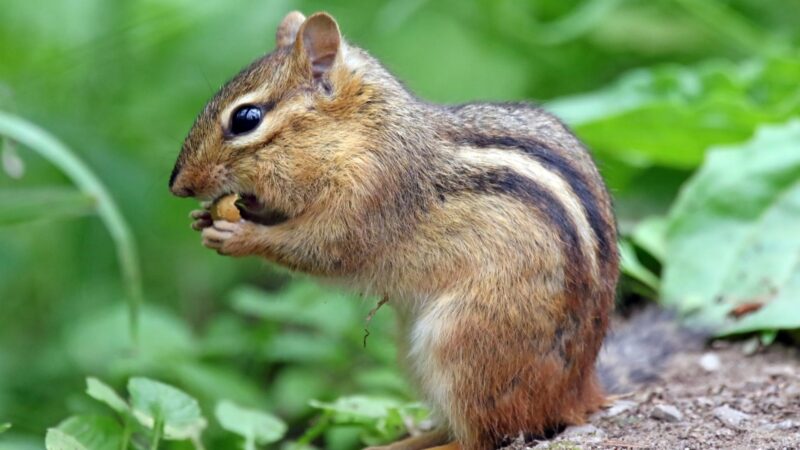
(637, 350)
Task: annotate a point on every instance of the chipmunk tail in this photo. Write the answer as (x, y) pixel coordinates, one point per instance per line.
(637, 350)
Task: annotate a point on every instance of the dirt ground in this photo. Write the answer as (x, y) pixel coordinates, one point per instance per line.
(726, 396)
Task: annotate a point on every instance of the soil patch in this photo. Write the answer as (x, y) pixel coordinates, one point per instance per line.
(728, 396)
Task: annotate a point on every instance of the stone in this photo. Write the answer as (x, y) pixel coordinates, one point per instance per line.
(667, 413)
(751, 346)
(710, 362)
(619, 407)
(583, 430)
(785, 425)
(729, 416)
(704, 401)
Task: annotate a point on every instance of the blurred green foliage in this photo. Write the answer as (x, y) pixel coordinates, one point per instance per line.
(650, 85)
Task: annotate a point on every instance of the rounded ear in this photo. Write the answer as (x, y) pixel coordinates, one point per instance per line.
(320, 40)
(287, 30)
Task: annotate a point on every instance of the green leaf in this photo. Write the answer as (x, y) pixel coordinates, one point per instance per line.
(215, 381)
(650, 235)
(733, 236)
(301, 303)
(4, 427)
(358, 408)
(381, 419)
(299, 347)
(179, 412)
(56, 439)
(631, 266)
(100, 340)
(253, 425)
(106, 394)
(670, 115)
(85, 432)
(34, 204)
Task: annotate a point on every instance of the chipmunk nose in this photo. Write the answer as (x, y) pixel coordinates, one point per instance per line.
(182, 192)
(178, 184)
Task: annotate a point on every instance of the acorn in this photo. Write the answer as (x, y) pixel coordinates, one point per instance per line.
(225, 208)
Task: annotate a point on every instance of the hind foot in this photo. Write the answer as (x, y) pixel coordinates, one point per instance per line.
(450, 446)
(431, 440)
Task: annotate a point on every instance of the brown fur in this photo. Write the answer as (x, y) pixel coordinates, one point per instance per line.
(503, 278)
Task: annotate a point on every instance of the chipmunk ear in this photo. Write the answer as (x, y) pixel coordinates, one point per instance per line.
(287, 30)
(320, 40)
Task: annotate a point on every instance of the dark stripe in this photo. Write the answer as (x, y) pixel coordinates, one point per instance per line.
(557, 163)
(505, 181)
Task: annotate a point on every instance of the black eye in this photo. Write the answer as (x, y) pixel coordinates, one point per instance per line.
(245, 118)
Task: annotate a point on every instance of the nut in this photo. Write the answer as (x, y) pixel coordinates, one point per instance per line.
(225, 209)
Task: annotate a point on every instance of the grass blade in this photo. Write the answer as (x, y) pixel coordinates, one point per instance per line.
(50, 148)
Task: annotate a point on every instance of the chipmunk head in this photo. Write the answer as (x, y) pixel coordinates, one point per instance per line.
(290, 128)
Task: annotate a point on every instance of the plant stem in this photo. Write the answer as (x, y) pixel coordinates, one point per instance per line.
(61, 156)
(126, 433)
(317, 429)
(158, 426)
(197, 443)
(250, 442)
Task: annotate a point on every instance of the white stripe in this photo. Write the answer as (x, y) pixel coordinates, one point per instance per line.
(530, 168)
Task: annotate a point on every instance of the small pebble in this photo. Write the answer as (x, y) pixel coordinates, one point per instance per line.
(779, 371)
(667, 413)
(704, 401)
(785, 425)
(710, 362)
(619, 407)
(791, 391)
(724, 432)
(751, 346)
(583, 430)
(729, 416)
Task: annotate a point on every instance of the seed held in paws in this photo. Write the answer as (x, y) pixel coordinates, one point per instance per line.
(225, 209)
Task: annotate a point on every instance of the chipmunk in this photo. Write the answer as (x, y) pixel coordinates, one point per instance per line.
(487, 225)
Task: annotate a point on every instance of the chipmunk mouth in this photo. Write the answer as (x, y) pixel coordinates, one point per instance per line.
(253, 209)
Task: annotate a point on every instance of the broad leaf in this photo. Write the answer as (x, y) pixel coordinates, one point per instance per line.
(631, 266)
(164, 337)
(301, 304)
(649, 235)
(733, 237)
(253, 425)
(86, 432)
(670, 115)
(56, 439)
(358, 408)
(381, 419)
(4, 427)
(106, 394)
(179, 412)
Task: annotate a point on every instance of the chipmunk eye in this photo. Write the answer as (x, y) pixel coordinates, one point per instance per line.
(245, 118)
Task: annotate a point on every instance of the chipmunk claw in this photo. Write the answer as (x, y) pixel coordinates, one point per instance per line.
(219, 232)
(202, 219)
(225, 237)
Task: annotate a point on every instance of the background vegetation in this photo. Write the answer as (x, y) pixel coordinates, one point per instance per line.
(691, 107)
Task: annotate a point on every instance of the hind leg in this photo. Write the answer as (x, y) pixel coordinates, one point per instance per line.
(492, 375)
(429, 440)
(450, 446)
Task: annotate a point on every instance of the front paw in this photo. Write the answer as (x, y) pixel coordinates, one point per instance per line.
(219, 235)
(227, 238)
(202, 219)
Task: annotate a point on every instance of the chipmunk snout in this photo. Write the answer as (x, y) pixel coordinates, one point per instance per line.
(178, 184)
(203, 181)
